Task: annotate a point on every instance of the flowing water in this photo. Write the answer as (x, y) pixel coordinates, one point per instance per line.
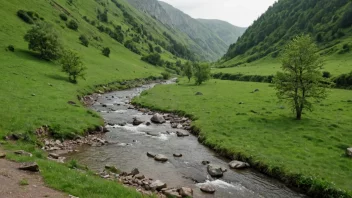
(132, 143)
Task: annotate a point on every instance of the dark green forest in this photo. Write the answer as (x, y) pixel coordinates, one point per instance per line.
(325, 20)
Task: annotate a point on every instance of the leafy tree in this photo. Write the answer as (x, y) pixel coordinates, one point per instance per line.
(84, 40)
(71, 64)
(42, 38)
(166, 75)
(151, 49)
(301, 79)
(73, 25)
(63, 17)
(106, 51)
(158, 49)
(201, 73)
(188, 71)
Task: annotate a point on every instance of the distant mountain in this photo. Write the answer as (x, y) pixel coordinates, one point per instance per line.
(329, 22)
(226, 31)
(210, 38)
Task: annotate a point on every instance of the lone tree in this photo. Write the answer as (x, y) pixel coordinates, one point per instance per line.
(71, 64)
(301, 80)
(188, 71)
(42, 38)
(201, 73)
(106, 51)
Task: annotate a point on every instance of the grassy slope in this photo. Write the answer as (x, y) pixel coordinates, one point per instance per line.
(313, 147)
(336, 64)
(23, 74)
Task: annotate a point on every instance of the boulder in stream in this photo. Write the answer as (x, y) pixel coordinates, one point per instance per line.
(238, 164)
(136, 122)
(215, 170)
(150, 154)
(186, 192)
(157, 118)
(182, 133)
(207, 188)
(177, 155)
(161, 158)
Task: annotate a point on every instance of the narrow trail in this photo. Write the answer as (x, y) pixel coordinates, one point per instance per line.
(10, 187)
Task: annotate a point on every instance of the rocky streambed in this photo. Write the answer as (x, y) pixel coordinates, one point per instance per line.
(164, 157)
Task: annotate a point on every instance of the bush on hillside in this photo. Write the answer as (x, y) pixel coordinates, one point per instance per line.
(63, 17)
(154, 59)
(326, 74)
(72, 65)
(28, 16)
(11, 48)
(158, 49)
(73, 25)
(84, 40)
(106, 51)
(131, 46)
(42, 38)
(166, 75)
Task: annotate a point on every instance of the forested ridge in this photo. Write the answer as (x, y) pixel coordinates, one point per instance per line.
(327, 21)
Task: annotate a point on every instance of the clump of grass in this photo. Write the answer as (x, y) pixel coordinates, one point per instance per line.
(23, 182)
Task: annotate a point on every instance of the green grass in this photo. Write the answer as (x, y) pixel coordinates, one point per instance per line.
(77, 182)
(335, 64)
(23, 75)
(263, 131)
(23, 182)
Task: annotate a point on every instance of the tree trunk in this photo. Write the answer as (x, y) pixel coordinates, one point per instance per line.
(298, 113)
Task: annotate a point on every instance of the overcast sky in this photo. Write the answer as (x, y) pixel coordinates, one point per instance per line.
(238, 12)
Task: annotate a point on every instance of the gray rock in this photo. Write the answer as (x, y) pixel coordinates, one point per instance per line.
(112, 168)
(136, 122)
(24, 153)
(215, 170)
(157, 118)
(205, 162)
(174, 125)
(238, 164)
(199, 94)
(134, 171)
(54, 155)
(207, 188)
(186, 192)
(349, 152)
(172, 193)
(150, 154)
(2, 155)
(177, 155)
(139, 176)
(29, 166)
(158, 185)
(161, 158)
(182, 133)
(148, 124)
(153, 133)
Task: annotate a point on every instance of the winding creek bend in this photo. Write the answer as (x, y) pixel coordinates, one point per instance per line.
(132, 144)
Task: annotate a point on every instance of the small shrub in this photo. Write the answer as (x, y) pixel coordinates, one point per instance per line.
(73, 25)
(73, 164)
(63, 17)
(166, 75)
(11, 48)
(106, 51)
(24, 182)
(84, 40)
(326, 74)
(154, 59)
(25, 17)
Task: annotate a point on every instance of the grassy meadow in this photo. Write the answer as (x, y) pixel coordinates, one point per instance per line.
(35, 92)
(335, 64)
(263, 130)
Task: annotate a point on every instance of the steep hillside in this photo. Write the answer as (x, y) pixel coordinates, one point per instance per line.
(328, 21)
(207, 43)
(226, 31)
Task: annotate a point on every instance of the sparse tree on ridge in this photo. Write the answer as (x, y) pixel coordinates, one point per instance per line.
(301, 81)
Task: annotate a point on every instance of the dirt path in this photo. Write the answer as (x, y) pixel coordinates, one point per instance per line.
(10, 187)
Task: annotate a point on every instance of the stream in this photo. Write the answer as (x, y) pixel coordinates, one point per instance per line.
(131, 143)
